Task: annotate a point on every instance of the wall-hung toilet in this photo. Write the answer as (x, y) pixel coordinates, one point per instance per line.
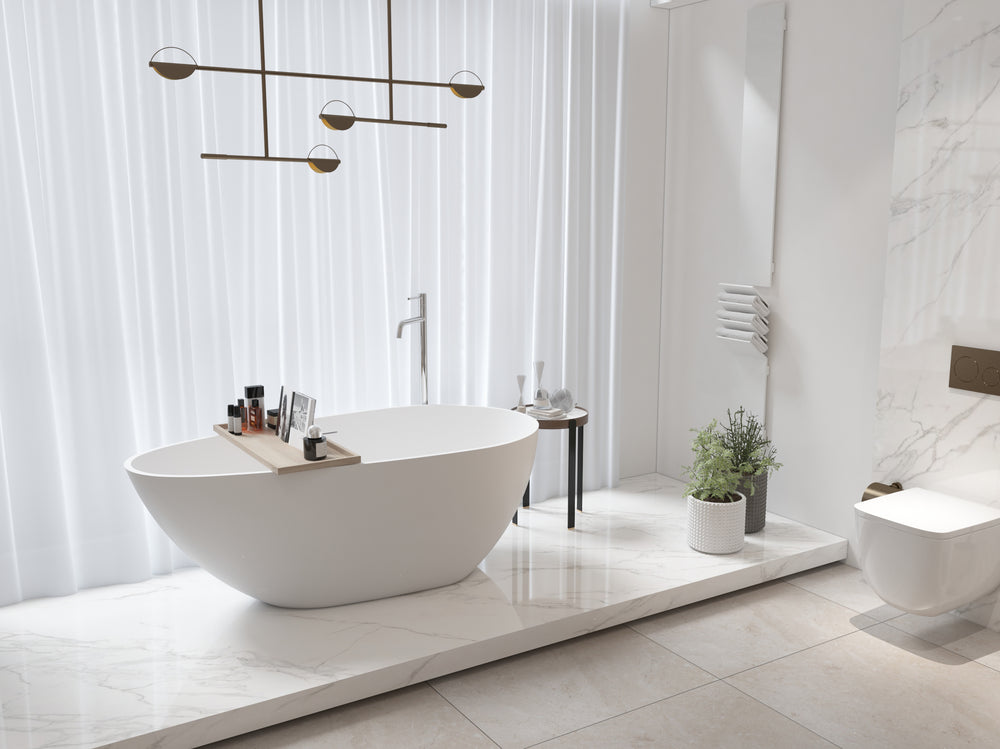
(926, 552)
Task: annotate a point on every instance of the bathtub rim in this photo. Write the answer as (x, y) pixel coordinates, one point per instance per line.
(130, 468)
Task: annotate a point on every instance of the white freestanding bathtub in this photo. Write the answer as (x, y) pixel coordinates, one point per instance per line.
(435, 490)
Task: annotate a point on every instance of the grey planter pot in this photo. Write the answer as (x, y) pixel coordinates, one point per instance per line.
(756, 501)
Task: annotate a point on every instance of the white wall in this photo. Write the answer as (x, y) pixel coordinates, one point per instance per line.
(834, 174)
(836, 164)
(644, 119)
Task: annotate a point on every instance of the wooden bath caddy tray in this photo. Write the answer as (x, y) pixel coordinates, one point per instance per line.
(281, 457)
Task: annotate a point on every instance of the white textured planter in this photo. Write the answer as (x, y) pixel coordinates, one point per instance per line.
(716, 527)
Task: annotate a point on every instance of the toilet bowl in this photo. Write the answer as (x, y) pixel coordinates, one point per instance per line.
(925, 552)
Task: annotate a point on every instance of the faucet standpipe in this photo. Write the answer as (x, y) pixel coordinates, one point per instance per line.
(422, 319)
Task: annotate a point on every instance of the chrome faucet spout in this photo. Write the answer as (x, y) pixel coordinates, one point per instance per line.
(404, 323)
(420, 318)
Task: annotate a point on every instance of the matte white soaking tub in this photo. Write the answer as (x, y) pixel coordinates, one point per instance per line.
(435, 490)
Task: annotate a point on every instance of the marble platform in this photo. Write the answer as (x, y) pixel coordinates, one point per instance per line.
(183, 660)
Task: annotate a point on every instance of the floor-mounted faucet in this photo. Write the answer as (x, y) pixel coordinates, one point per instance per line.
(422, 319)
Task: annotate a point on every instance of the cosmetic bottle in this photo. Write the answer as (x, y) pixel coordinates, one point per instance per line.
(272, 419)
(243, 414)
(314, 444)
(229, 415)
(237, 421)
(255, 408)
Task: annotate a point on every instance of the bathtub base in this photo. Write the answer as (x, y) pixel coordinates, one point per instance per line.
(183, 659)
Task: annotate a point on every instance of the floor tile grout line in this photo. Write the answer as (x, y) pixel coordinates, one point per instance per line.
(772, 660)
(889, 620)
(827, 598)
(715, 680)
(796, 652)
(935, 645)
(672, 652)
(460, 712)
(778, 712)
(830, 600)
(773, 582)
(974, 660)
(763, 663)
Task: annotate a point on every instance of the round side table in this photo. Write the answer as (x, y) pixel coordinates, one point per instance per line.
(573, 421)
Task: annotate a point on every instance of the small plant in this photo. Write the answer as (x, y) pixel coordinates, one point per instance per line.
(714, 476)
(752, 451)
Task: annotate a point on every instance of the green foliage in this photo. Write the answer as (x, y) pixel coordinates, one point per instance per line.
(713, 474)
(752, 451)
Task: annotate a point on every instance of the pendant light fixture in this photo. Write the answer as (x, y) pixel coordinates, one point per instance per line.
(465, 84)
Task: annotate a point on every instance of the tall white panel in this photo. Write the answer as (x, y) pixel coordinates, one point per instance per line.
(759, 153)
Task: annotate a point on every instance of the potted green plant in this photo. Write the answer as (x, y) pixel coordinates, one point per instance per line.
(716, 510)
(754, 458)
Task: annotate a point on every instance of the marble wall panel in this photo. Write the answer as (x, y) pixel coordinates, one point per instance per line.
(943, 261)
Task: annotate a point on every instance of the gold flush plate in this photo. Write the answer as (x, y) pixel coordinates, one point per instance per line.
(975, 369)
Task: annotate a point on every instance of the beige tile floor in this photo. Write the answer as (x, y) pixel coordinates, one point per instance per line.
(814, 660)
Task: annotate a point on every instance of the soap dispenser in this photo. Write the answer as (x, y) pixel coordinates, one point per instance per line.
(314, 444)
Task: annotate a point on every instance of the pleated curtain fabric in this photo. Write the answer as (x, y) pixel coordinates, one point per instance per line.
(143, 287)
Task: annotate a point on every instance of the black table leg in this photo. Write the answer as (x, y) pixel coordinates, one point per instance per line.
(571, 460)
(524, 500)
(579, 469)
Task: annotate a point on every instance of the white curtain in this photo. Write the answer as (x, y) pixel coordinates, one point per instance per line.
(143, 287)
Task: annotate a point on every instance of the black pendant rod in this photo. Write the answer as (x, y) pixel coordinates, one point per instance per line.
(409, 123)
(388, 10)
(241, 157)
(263, 70)
(321, 76)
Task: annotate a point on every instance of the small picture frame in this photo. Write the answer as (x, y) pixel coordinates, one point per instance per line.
(303, 409)
(284, 413)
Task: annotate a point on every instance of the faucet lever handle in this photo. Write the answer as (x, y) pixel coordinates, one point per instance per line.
(411, 298)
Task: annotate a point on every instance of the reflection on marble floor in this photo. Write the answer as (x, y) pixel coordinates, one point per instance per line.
(182, 660)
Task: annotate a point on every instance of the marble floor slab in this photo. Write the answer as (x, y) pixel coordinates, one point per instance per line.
(607, 673)
(760, 625)
(881, 687)
(692, 720)
(183, 660)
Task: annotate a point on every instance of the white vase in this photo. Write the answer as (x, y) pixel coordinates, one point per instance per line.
(716, 527)
(541, 399)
